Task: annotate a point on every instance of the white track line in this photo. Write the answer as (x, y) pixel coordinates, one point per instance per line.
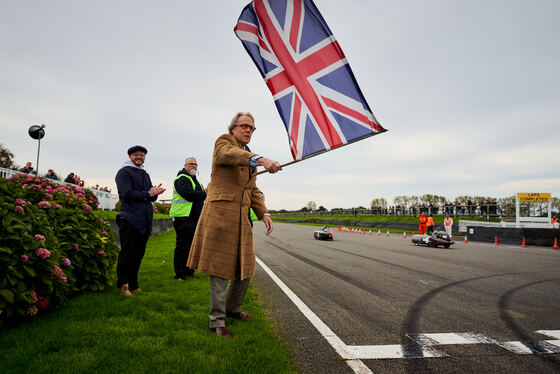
(342, 349)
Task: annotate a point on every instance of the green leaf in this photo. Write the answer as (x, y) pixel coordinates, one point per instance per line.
(7, 295)
(5, 250)
(30, 271)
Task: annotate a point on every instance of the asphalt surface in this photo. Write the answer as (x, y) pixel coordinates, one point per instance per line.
(372, 290)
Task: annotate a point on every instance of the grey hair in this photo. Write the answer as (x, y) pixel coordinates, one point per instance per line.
(233, 123)
(188, 158)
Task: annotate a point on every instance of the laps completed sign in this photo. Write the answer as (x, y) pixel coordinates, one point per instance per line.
(533, 196)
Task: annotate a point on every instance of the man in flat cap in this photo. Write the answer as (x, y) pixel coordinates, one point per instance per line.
(136, 195)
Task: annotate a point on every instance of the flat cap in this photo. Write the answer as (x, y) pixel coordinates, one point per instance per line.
(135, 148)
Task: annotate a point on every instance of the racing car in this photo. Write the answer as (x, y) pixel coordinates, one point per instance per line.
(324, 234)
(437, 238)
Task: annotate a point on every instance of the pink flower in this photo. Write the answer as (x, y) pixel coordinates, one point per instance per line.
(105, 233)
(57, 206)
(42, 252)
(20, 202)
(87, 208)
(76, 246)
(32, 310)
(99, 220)
(59, 274)
(43, 302)
(101, 253)
(44, 205)
(39, 237)
(37, 180)
(48, 196)
(34, 297)
(24, 258)
(19, 210)
(65, 262)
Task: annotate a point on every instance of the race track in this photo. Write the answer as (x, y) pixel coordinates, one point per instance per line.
(393, 307)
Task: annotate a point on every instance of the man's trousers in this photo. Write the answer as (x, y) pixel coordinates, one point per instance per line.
(184, 229)
(225, 301)
(133, 247)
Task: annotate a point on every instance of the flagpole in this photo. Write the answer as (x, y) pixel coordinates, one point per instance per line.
(325, 151)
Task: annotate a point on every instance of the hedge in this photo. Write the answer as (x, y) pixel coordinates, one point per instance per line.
(52, 246)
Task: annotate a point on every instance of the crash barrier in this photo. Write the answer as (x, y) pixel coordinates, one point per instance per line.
(107, 200)
(506, 235)
(159, 226)
(408, 226)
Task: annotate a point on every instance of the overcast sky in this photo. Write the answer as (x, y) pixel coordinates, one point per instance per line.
(469, 91)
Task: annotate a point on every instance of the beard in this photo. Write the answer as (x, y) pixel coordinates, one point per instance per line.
(192, 172)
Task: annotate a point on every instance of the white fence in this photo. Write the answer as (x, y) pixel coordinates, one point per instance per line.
(464, 223)
(107, 200)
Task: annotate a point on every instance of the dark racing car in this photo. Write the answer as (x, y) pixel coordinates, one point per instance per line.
(437, 238)
(324, 234)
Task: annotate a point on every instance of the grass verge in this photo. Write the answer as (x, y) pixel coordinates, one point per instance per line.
(163, 329)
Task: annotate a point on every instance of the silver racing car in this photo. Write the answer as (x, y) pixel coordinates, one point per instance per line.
(437, 238)
(324, 234)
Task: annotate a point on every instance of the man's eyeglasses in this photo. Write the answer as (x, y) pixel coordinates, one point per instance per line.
(138, 155)
(244, 126)
(192, 164)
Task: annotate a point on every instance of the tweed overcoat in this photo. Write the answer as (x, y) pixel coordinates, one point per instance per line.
(224, 236)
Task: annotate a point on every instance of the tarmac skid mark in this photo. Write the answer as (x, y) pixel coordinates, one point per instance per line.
(421, 345)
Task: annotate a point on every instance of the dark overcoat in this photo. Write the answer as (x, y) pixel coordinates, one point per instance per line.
(224, 236)
(134, 194)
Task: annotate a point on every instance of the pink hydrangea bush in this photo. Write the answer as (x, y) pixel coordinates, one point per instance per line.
(59, 247)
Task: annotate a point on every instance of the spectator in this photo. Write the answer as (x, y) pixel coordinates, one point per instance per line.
(51, 175)
(136, 194)
(27, 169)
(70, 178)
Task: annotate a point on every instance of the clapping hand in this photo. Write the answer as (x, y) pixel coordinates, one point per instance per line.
(156, 190)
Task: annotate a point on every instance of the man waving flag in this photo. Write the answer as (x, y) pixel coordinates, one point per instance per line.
(308, 75)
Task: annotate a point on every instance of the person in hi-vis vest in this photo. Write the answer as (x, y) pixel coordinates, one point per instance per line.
(448, 224)
(186, 205)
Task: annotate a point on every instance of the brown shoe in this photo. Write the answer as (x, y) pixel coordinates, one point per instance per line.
(125, 291)
(221, 331)
(240, 316)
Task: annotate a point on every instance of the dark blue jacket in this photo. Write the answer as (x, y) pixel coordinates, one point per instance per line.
(136, 204)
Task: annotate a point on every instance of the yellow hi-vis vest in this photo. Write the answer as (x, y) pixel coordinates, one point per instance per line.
(253, 215)
(179, 206)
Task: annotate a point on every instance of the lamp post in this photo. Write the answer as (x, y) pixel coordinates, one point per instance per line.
(37, 132)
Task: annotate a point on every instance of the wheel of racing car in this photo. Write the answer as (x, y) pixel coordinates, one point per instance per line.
(446, 245)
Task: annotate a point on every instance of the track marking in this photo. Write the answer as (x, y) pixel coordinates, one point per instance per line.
(342, 349)
(421, 345)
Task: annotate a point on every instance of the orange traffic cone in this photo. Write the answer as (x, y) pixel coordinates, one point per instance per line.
(496, 241)
(387, 234)
(370, 232)
(404, 235)
(466, 241)
(555, 246)
(523, 243)
(364, 232)
(378, 232)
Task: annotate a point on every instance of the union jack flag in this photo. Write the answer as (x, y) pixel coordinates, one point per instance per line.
(308, 75)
